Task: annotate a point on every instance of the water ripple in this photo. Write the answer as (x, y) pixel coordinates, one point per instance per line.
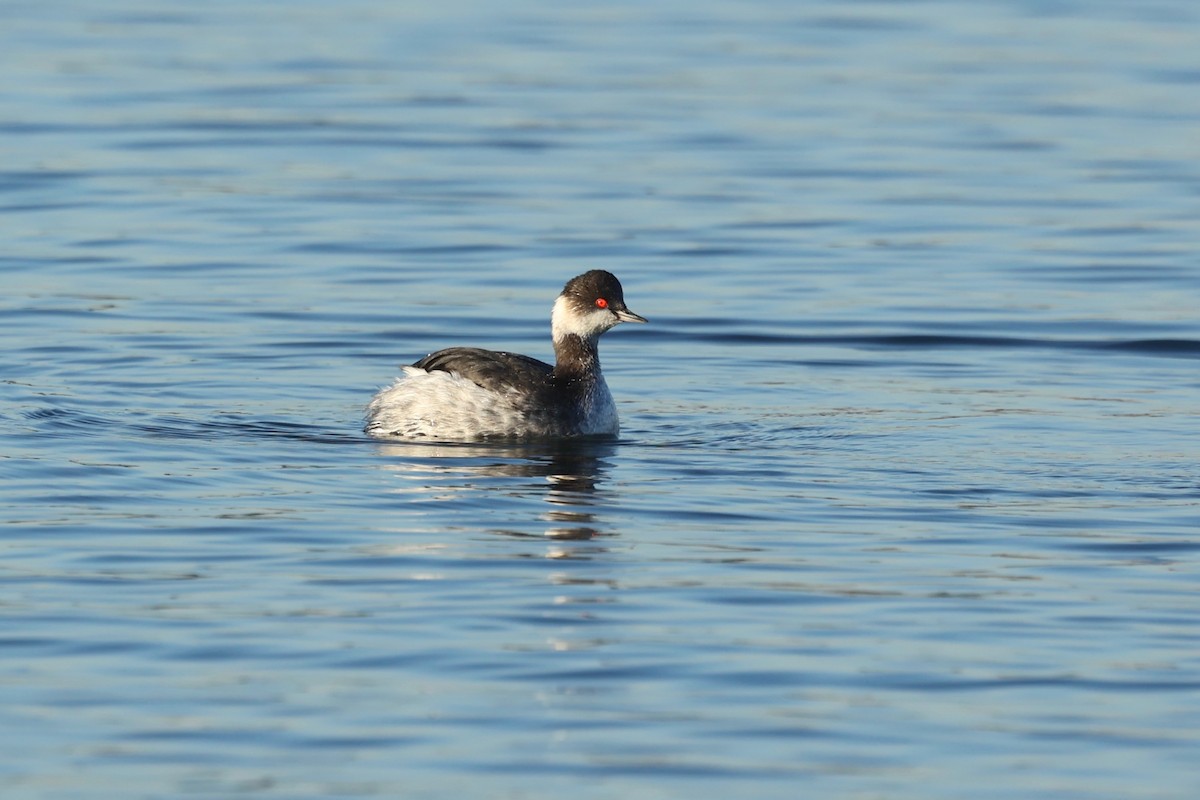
(905, 503)
(1175, 348)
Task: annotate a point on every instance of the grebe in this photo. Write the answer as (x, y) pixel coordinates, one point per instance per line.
(466, 393)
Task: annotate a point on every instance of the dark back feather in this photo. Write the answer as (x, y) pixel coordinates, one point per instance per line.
(491, 369)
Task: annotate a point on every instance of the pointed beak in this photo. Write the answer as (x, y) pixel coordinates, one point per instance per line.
(625, 315)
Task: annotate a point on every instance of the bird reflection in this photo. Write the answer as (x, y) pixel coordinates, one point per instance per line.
(565, 474)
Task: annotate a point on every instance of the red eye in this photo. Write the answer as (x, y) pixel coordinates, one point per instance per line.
(601, 302)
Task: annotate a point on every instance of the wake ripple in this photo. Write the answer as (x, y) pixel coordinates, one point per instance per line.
(64, 421)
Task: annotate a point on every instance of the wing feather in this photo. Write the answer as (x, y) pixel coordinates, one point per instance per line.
(491, 369)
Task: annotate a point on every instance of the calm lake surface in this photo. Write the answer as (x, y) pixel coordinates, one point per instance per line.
(907, 498)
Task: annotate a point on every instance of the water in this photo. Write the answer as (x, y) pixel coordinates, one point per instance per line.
(906, 500)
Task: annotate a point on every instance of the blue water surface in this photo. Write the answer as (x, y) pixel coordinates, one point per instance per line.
(907, 498)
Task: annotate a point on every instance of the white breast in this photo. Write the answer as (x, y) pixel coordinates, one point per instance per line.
(600, 412)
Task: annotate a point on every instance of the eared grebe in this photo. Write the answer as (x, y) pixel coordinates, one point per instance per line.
(465, 393)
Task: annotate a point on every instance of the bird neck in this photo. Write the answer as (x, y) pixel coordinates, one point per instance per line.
(575, 356)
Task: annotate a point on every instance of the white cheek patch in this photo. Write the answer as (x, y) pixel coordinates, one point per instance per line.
(566, 319)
